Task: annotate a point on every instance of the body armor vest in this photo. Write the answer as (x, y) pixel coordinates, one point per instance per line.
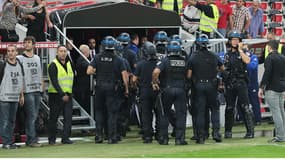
(175, 70)
(105, 68)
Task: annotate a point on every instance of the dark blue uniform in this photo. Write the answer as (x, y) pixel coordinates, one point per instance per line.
(252, 69)
(173, 75)
(147, 96)
(108, 71)
(236, 79)
(204, 72)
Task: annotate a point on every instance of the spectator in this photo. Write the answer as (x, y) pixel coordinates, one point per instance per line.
(171, 5)
(191, 19)
(60, 95)
(92, 47)
(36, 22)
(280, 49)
(11, 89)
(134, 43)
(273, 83)
(10, 14)
(256, 26)
(82, 80)
(209, 17)
(33, 84)
(226, 15)
(241, 17)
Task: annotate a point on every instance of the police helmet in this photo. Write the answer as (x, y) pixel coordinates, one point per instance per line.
(119, 47)
(176, 37)
(173, 48)
(160, 37)
(124, 38)
(202, 41)
(109, 43)
(149, 50)
(235, 34)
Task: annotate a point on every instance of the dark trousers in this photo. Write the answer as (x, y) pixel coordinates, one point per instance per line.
(176, 96)
(83, 98)
(206, 94)
(254, 101)
(58, 106)
(105, 97)
(4, 34)
(238, 94)
(147, 99)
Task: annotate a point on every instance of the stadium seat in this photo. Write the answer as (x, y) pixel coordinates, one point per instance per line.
(277, 5)
(278, 31)
(265, 18)
(277, 18)
(264, 6)
(265, 31)
(248, 3)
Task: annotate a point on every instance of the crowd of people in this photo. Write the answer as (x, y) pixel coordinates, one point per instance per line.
(159, 76)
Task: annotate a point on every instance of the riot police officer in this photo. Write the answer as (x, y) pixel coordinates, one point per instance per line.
(235, 78)
(172, 69)
(202, 68)
(143, 76)
(160, 41)
(109, 68)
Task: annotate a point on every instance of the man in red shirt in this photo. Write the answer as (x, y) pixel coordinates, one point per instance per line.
(226, 12)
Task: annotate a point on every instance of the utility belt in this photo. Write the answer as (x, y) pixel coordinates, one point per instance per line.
(104, 82)
(212, 81)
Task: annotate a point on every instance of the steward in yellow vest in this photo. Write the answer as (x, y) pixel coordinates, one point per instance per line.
(209, 16)
(170, 5)
(60, 76)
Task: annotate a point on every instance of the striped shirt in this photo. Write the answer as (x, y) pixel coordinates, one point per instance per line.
(240, 16)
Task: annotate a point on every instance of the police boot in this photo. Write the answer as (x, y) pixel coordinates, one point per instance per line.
(216, 135)
(163, 141)
(98, 139)
(228, 134)
(229, 121)
(147, 140)
(180, 140)
(249, 121)
(200, 139)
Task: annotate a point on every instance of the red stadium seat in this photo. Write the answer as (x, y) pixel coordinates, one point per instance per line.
(264, 6)
(277, 18)
(265, 31)
(278, 6)
(278, 31)
(248, 3)
(265, 18)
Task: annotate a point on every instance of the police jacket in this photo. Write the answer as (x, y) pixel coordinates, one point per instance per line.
(173, 69)
(235, 68)
(108, 67)
(203, 64)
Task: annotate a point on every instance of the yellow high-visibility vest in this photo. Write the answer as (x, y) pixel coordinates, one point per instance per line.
(206, 22)
(65, 79)
(169, 5)
(279, 50)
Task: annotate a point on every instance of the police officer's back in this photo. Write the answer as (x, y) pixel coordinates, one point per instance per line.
(108, 68)
(143, 77)
(172, 86)
(202, 68)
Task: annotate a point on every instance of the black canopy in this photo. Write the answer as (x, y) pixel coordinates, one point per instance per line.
(121, 15)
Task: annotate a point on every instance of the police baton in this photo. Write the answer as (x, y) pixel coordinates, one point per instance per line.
(159, 101)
